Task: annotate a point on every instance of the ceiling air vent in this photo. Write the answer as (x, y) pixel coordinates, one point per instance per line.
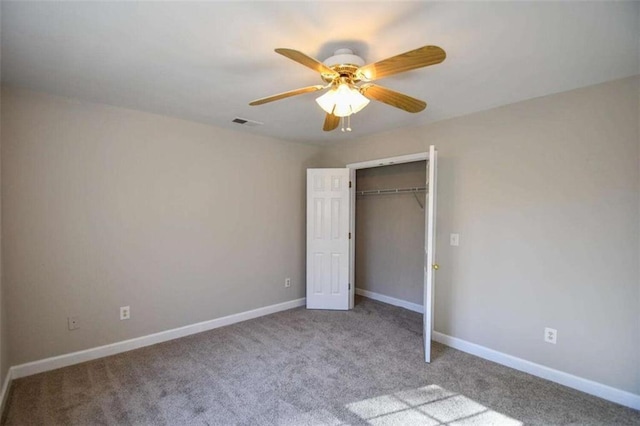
(246, 122)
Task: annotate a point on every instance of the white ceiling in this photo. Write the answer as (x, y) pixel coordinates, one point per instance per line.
(206, 61)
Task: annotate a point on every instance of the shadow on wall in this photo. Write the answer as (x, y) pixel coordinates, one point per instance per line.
(447, 220)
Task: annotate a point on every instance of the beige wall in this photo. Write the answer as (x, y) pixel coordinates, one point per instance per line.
(4, 353)
(105, 207)
(390, 232)
(545, 196)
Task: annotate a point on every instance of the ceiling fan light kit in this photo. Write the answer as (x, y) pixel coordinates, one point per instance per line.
(342, 101)
(344, 70)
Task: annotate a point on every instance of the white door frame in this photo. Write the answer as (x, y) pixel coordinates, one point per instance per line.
(410, 158)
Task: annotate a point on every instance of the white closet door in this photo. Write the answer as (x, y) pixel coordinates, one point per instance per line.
(328, 204)
(430, 265)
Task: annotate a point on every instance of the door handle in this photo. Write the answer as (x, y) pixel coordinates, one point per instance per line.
(436, 266)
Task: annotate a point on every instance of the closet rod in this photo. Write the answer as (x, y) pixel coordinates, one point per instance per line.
(393, 191)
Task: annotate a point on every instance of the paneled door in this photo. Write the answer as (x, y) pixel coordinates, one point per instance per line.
(430, 265)
(328, 234)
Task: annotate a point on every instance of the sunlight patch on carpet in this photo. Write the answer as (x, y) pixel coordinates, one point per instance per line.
(428, 406)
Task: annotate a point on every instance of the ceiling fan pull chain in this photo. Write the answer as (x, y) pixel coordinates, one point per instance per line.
(348, 123)
(342, 124)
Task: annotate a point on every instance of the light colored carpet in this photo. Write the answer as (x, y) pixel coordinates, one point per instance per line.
(302, 367)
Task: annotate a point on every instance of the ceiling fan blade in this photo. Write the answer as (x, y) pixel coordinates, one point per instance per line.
(330, 122)
(287, 94)
(417, 58)
(393, 98)
(309, 62)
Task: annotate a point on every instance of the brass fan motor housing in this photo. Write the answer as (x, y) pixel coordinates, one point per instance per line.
(345, 71)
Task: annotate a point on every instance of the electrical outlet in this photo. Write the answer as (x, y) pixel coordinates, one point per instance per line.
(73, 323)
(454, 239)
(125, 313)
(287, 282)
(550, 335)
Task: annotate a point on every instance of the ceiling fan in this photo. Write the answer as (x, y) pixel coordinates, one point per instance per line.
(344, 70)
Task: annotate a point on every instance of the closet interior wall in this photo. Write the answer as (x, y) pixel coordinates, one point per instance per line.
(390, 232)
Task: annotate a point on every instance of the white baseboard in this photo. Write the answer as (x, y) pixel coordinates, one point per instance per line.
(588, 386)
(4, 393)
(390, 300)
(65, 360)
(600, 390)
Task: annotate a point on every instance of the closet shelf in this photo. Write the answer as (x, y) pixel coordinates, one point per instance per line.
(393, 191)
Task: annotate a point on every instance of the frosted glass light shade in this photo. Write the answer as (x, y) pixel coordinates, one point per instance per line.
(342, 101)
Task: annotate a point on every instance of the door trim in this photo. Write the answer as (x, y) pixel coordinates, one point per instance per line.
(409, 158)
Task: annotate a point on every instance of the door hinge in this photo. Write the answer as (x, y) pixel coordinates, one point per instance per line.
(349, 235)
(349, 184)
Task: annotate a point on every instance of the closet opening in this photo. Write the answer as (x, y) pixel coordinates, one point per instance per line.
(392, 217)
(389, 233)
